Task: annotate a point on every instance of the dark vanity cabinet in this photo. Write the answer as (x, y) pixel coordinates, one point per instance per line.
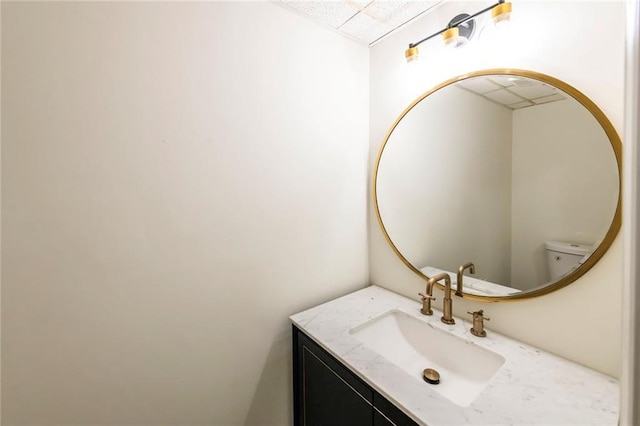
(326, 393)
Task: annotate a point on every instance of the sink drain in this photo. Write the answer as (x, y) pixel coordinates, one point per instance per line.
(431, 376)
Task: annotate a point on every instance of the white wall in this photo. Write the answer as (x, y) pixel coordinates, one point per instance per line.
(428, 205)
(565, 185)
(178, 178)
(547, 37)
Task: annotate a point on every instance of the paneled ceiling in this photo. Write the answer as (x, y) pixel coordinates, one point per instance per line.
(365, 21)
(512, 92)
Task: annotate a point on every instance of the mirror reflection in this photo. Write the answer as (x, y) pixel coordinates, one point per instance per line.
(506, 171)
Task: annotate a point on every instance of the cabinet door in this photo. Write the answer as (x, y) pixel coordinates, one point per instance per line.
(328, 399)
(327, 394)
(381, 420)
(385, 413)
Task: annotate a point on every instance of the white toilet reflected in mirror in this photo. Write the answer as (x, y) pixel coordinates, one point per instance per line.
(564, 257)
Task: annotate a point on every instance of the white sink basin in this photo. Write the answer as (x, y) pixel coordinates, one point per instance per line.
(465, 368)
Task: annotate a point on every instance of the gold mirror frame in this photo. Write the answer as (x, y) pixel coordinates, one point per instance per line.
(616, 145)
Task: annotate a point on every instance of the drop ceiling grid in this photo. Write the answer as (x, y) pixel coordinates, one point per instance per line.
(366, 21)
(510, 94)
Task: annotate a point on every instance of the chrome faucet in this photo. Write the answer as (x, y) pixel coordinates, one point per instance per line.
(447, 317)
(472, 269)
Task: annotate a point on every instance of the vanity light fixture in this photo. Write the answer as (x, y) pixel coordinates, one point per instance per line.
(460, 29)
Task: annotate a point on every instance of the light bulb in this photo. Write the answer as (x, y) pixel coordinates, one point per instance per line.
(450, 37)
(501, 13)
(411, 54)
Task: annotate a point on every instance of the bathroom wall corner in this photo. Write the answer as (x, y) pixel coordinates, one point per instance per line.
(630, 381)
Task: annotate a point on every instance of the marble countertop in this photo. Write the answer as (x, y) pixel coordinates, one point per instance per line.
(533, 387)
(472, 285)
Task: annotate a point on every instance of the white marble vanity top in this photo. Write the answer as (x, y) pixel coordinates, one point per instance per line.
(531, 388)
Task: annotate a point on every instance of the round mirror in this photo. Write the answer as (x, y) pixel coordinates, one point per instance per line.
(514, 171)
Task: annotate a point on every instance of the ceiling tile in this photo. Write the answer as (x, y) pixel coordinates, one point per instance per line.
(502, 80)
(503, 96)
(383, 10)
(532, 91)
(478, 85)
(408, 11)
(547, 99)
(521, 105)
(364, 27)
(386, 11)
(360, 4)
(331, 13)
(372, 19)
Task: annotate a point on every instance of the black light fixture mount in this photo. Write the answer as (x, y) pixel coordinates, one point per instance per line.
(462, 27)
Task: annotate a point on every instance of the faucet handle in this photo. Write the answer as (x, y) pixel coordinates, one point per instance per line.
(479, 313)
(426, 304)
(478, 324)
(426, 296)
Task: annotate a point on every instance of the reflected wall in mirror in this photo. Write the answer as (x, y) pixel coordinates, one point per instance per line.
(512, 170)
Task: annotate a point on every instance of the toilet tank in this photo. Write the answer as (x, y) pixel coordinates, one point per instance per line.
(563, 257)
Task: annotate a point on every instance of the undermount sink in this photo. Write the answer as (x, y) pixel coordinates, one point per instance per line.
(413, 345)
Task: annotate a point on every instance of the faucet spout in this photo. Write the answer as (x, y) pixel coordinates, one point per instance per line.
(447, 304)
(447, 309)
(472, 269)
